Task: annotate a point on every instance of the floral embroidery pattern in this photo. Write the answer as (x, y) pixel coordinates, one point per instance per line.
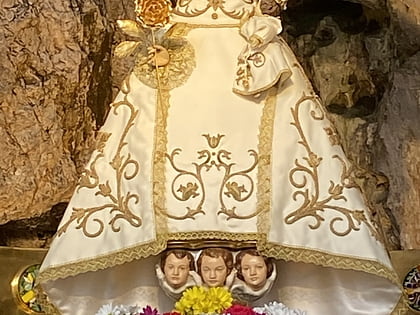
(183, 9)
(119, 202)
(188, 184)
(304, 177)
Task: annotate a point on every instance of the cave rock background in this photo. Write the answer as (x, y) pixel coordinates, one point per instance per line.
(58, 75)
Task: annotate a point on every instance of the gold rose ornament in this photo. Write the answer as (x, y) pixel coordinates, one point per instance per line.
(153, 13)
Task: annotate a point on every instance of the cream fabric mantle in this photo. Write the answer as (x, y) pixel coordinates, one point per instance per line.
(194, 160)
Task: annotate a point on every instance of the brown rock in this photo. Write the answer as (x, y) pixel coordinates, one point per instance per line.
(399, 149)
(47, 83)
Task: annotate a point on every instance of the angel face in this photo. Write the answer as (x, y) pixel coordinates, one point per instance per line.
(254, 271)
(213, 271)
(176, 270)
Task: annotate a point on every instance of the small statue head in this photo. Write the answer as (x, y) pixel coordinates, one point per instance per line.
(176, 265)
(253, 269)
(214, 265)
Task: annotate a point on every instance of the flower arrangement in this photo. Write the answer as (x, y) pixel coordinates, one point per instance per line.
(199, 301)
(109, 309)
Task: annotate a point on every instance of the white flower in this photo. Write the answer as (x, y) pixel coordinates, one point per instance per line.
(121, 310)
(105, 310)
(108, 309)
(277, 308)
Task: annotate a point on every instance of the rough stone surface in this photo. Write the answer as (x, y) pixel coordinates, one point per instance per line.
(405, 25)
(52, 59)
(399, 149)
(58, 77)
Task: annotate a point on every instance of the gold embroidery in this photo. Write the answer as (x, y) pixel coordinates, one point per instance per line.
(183, 9)
(175, 73)
(332, 135)
(280, 79)
(312, 203)
(258, 59)
(119, 202)
(228, 188)
(243, 74)
(213, 141)
(101, 139)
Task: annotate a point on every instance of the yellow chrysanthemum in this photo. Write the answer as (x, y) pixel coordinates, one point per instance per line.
(191, 301)
(199, 300)
(220, 298)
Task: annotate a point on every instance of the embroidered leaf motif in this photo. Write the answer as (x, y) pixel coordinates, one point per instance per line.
(211, 159)
(188, 191)
(308, 188)
(119, 202)
(104, 189)
(234, 190)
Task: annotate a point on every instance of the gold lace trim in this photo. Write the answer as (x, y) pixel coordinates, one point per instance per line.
(175, 73)
(213, 235)
(321, 258)
(159, 160)
(264, 164)
(102, 262)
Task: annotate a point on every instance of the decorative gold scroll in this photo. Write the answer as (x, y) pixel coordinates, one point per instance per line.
(313, 202)
(189, 184)
(118, 202)
(183, 9)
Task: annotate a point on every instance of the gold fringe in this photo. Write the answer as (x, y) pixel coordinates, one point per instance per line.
(102, 262)
(325, 259)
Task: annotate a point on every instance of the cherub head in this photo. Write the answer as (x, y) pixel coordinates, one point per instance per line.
(176, 265)
(214, 265)
(253, 268)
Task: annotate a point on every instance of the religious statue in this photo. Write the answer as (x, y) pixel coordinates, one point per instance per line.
(176, 272)
(217, 135)
(215, 267)
(255, 275)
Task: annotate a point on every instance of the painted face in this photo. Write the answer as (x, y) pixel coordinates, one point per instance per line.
(176, 270)
(213, 271)
(254, 271)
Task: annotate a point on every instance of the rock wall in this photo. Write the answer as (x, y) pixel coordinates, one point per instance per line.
(58, 78)
(54, 79)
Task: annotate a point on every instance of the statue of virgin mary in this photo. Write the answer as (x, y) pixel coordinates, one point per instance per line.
(224, 143)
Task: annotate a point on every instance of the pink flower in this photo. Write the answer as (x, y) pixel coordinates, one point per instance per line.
(237, 309)
(149, 311)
